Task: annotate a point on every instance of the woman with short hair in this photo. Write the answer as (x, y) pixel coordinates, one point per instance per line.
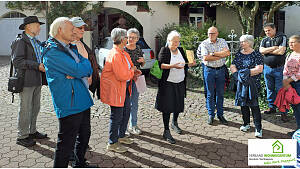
(247, 67)
(136, 55)
(115, 89)
(172, 85)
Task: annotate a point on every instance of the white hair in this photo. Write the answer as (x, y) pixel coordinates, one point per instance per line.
(117, 34)
(133, 30)
(57, 23)
(173, 34)
(248, 38)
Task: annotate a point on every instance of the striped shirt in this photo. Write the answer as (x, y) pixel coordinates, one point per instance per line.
(208, 47)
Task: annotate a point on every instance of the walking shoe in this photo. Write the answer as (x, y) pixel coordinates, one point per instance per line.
(116, 147)
(175, 127)
(258, 133)
(38, 135)
(270, 111)
(26, 142)
(245, 128)
(210, 120)
(135, 130)
(167, 136)
(223, 120)
(125, 140)
(284, 118)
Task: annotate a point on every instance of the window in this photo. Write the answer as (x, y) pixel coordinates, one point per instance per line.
(14, 15)
(197, 17)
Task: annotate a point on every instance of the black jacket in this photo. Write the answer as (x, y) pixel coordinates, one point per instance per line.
(164, 56)
(29, 66)
(95, 86)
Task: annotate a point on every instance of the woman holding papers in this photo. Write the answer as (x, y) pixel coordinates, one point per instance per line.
(172, 85)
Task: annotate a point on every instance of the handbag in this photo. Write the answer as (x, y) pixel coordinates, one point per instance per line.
(156, 71)
(141, 84)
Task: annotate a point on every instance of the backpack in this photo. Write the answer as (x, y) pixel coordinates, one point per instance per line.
(16, 77)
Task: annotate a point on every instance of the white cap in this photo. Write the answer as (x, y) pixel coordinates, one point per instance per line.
(77, 21)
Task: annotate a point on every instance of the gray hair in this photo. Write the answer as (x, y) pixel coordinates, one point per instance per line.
(272, 25)
(173, 34)
(133, 30)
(248, 38)
(57, 23)
(296, 37)
(117, 34)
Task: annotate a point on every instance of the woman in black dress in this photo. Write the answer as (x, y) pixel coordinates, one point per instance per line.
(172, 85)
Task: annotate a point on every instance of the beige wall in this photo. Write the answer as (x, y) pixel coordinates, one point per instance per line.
(151, 22)
(226, 20)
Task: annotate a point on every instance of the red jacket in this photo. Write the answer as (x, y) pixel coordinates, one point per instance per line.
(285, 98)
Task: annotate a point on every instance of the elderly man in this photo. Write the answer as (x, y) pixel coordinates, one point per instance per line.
(214, 51)
(27, 61)
(66, 72)
(273, 47)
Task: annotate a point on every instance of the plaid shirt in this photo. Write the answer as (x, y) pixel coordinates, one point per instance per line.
(209, 47)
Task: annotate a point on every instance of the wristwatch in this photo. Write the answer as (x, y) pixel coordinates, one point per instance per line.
(213, 54)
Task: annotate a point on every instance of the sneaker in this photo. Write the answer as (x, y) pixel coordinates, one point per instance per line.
(127, 133)
(258, 134)
(245, 128)
(210, 120)
(26, 142)
(125, 140)
(135, 130)
(116, 147)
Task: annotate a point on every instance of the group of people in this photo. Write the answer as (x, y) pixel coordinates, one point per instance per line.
(71, 71)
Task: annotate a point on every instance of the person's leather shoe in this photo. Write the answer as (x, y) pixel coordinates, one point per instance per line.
(284, 118)
(291, 133)
(167, 136)
(176, 128)
(26, 142)
(270, 111)
(223, 120)
(87, 165)
(210, 120)
(38, 135)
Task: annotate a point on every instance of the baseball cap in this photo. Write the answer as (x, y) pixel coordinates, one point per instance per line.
(77, 21)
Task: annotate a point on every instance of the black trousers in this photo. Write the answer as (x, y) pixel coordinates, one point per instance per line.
(73, 130)
(255, 113)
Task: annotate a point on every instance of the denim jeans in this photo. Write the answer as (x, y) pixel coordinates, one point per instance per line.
(215, 80)
(296, 108)
(29, 109)
(204, 84)
(134, 105)
(73, 130)
(118, 120)
(273, 79)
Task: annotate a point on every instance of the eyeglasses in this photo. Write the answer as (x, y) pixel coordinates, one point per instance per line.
(133, 38)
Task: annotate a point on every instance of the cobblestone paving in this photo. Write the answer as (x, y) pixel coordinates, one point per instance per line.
(200, 145)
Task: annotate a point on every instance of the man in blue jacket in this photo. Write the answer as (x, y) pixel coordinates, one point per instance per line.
(67, 72)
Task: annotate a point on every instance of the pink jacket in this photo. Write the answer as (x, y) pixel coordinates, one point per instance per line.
(285, 98)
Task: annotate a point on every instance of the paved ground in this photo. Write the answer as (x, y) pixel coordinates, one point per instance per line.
(200, 145)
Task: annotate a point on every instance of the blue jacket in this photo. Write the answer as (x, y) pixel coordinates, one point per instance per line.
(246, 93)
(69, 96)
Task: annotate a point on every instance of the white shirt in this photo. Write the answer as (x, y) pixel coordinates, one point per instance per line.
(176, 75)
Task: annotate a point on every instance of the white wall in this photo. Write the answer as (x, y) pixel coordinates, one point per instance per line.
(151, 22)
(9, 28)
(292, 20)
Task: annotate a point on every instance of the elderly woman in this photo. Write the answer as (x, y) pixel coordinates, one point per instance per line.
(115, 90)
(247, 67)
(172, 85)
(291, 73)
(137, 59)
